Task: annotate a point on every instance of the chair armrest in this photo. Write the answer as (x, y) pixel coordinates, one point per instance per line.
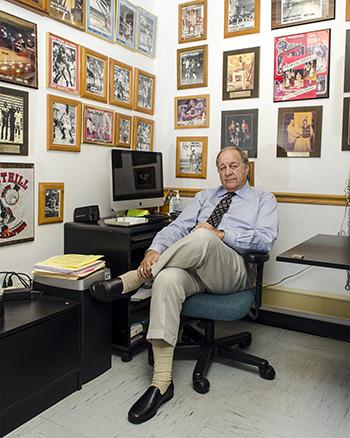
(256, 257)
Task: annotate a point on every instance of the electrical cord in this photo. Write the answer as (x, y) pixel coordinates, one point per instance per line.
(22, 277)
(286, 278)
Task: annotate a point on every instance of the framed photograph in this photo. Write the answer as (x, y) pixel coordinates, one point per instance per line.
(301, 66)
(192, 67)
(143, 133)
(192, 24)
(144, 91)
(94, 75)
(285, 13)
(192, 112)
(13, 122)
(299, 132)
(191, 157)
(347, 10)
(16, 203)
(63, 64)
(146, 33)
(239, 128)
(120, 84)
(51, 202)
(98, 126)
(346, 125)
(242, 17)
(19, 52)
(38, 5)
(63, 124)
(123, 130)
(70, 12)
(241, 74)
(126, 20)
(347, 63)
(100, 18)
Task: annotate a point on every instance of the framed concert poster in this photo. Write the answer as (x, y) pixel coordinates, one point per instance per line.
(146, 33)
(144, 90)
(241, 74)
(51, 202)
(285, 13)
(239, 128)
(16, 203)
(63, 124)
(70, 12)
(19, 52)
(192, 21)
(13, 122)
(98, 126)
(126, 20)
(242, 17)
(120, 84)
(192, 67)
(39, 6)
(100, 18)
(301, 66)
(123, 130)
(191, 157)
(299, 132)
(192, 112)
(346, 125)
(94, 75)
(143, 133)
(347, 63)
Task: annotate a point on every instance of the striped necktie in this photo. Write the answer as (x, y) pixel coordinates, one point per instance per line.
(221, 208)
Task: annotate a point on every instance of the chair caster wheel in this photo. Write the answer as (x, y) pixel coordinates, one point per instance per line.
(126, 357)
(201, 385)
(267, 373)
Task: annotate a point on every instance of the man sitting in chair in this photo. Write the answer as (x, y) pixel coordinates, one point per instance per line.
(199, 251)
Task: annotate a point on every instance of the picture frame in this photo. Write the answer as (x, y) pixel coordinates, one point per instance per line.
(192, 67)
(16, 202)
(51, 202)
(146, 32)
(14, 122)
(123, 130)
(346, 125)
(100, 18)
(285, 13)
(299, 132)
(126, 24)
(120, 84)
(192, 112)
(192, 21)
(63, 121)
(39, 6)
(241, 74)
(191, 157)
(143, 134)
(71, 12)
(347, 63)
(301, 66)
(63, 64)
(98, 126)
(144, 90)
(242, 17)
(347, 14)
(239, 128)
(19, 54)
(94, 75)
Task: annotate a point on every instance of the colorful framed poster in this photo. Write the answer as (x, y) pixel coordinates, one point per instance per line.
(70, 12)
(192, 67)
(191, 157)
(51, 202)
(38, 5)
(120, 84)
(13, 122)
(192, 112)
(241, 74)
(19, 52)
(347, 63)
(123, 130)
(146, 33)
(98, 126)
(94, 75)
(144, 91)
(285, 13)
(100, 18)
(126, 20)
(63, 64)
(301, 66)
(242, 17)
(63, 124)
(16, 203)
(346, 125)
(299, 132)
(192, 21)
(239, 128)
(143, 133)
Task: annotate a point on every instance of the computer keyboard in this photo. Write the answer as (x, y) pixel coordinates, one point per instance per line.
(125, 221)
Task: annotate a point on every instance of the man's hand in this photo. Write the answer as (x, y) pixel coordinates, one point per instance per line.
(219, 233)
(144, 270)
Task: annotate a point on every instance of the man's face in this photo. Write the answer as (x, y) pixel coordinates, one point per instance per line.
(233, 173)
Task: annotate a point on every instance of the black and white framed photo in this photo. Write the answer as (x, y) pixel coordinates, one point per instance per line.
(94, 75)
(126, 21)
(242, 17)
(347, 63)
(123, 130)
(100, 18)
(146, 33)
(143, 132)
(192, 67)
(191, 157)
(70, 12)
(120, 84)
(346, 125)
(51, 202)
(144, 91)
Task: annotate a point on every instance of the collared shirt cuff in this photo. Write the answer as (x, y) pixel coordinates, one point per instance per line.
(156, 247)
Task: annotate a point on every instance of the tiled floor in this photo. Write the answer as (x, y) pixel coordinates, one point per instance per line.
(310, 397)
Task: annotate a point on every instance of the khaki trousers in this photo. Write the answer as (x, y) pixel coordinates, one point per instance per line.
(198, 262)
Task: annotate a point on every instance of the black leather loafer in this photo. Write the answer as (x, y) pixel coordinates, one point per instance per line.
(147, 405)
(108, 290)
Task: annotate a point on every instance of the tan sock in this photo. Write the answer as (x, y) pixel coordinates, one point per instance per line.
(163, 354)
(131, 281)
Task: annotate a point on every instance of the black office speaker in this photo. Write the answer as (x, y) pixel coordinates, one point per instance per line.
(89, 214)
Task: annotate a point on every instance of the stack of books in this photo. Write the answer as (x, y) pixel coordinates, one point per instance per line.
(137, 331)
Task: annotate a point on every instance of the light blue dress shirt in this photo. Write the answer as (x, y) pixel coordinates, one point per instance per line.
(250, 225)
